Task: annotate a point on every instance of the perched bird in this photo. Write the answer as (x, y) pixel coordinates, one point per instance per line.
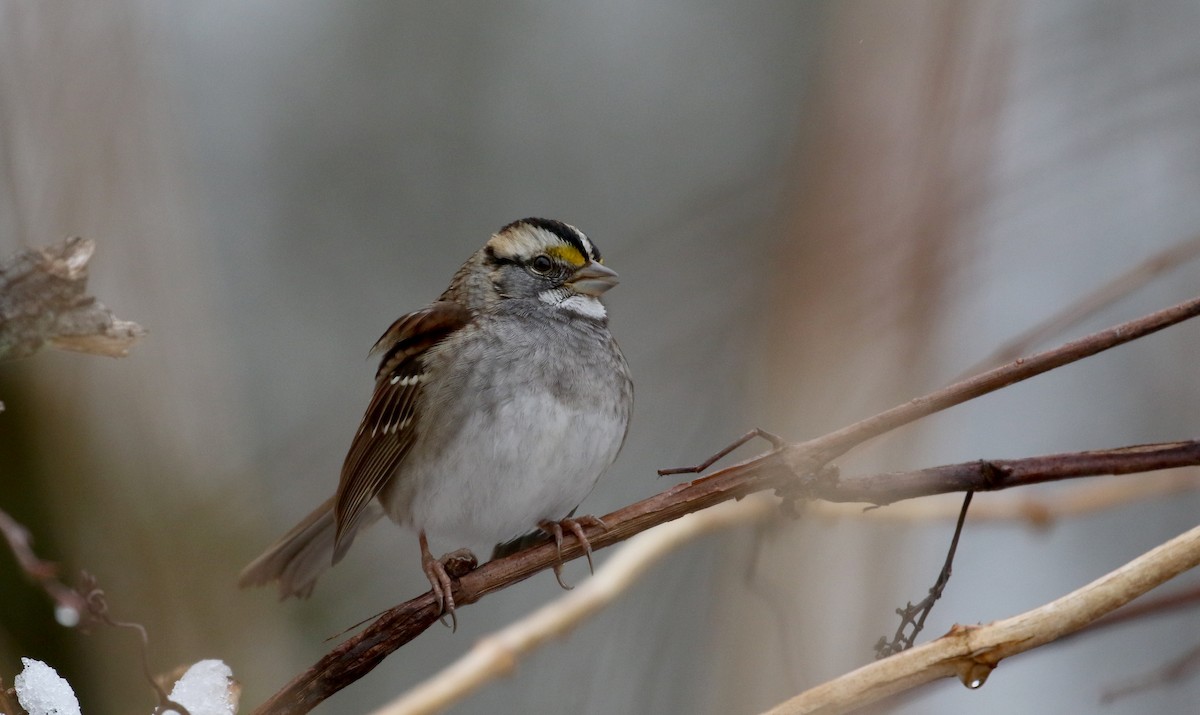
(496, 408)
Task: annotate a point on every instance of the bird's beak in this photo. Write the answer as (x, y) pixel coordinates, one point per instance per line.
(593, 279)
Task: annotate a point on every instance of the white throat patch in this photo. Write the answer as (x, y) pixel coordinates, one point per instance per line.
(585, 305)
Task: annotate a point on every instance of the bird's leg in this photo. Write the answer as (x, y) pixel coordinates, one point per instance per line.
(575, 525)
(440, 571)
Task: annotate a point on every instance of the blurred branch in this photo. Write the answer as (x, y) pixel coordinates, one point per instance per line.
(69, 604)
(972, 652)
(1105, 295)
(8, 701)
(43, 300)
(796, 470)
(1174, 671)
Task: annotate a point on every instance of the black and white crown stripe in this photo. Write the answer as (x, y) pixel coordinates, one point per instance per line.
(565, 231)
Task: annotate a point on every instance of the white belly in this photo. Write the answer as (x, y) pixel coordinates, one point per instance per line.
(483, 489)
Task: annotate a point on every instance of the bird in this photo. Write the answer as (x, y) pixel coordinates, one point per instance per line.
(496, 409)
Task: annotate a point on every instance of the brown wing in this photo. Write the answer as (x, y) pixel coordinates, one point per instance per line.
(388, 428)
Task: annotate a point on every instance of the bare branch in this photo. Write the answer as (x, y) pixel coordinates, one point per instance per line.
(995, 474)
(971, 652)
(43, 300)
(1040, 510)
(797, 469)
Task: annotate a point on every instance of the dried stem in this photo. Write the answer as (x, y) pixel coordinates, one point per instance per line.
(791, 468)
(914, 615)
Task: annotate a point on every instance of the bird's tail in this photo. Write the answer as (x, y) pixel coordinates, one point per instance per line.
(300, 556)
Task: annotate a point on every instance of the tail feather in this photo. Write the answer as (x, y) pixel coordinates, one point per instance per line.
(300, 556)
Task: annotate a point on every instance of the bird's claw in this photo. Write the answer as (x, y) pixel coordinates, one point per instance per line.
(575, 526)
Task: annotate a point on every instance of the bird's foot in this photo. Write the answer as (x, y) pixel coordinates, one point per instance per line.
(575, 526)
(440, 572)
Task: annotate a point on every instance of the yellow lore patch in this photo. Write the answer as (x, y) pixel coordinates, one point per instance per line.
(567, 254)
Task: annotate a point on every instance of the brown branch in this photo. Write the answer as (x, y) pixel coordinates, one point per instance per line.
(1039, 510)
(43, 300)
(792, 468)
(996, 474)
(8, 701)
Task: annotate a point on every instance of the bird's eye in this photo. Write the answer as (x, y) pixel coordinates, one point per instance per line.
(542, 264)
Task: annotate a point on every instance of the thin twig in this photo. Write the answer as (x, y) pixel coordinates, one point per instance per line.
(98, 608)
(357, 655)
(790, 468)
(776, 441)
(914, 615)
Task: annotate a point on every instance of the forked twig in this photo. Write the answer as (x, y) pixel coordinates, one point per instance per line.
(776, 441)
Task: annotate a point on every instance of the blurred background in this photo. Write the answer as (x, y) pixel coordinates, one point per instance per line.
(817, 209)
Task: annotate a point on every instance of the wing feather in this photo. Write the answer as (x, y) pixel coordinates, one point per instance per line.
(389, 426)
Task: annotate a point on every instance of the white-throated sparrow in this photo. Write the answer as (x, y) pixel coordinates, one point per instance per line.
(496, 408)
